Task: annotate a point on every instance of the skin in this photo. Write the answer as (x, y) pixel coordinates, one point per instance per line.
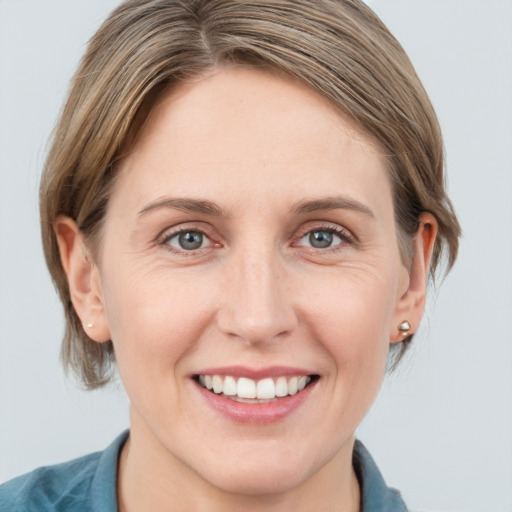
(255, 294)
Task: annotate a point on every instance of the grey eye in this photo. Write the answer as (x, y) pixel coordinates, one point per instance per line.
(187, 240)
(321, 239)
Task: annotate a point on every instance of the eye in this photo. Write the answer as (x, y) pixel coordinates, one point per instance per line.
(322, 238)
(187, 240)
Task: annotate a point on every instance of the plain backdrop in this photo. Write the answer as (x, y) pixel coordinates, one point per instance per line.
(441, 429)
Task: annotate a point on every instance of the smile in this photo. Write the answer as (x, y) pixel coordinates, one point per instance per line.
(244, 389)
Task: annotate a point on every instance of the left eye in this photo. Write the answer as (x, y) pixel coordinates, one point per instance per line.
(321, 239)
(188, 240)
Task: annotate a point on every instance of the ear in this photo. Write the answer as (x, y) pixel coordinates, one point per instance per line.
(83, 279)
(411, 304)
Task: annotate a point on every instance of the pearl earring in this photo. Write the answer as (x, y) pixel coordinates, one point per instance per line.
(404, 328)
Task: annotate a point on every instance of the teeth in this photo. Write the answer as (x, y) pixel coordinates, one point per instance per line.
(281, 386)
(301, 384)
(293, 386)
(264, 389)
(218, 384)
(246, 388)
(229, 386)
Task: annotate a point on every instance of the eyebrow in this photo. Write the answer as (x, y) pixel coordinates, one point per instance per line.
(184, 204)
(332, 203)
(209, 208)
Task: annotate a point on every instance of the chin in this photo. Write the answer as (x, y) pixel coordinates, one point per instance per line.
(255, 479)
(263, 468)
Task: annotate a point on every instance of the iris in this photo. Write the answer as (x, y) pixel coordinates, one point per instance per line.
(320, 239)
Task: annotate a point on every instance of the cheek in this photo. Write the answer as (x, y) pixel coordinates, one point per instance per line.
(154, 320)
(353, 304)
(352, 319)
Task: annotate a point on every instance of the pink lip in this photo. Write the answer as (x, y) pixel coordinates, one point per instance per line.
(256, 373)
(255, 413)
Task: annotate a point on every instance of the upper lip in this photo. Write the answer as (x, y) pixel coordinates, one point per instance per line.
(255, 373)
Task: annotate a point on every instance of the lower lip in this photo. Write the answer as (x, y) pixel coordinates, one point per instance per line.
(256, 413)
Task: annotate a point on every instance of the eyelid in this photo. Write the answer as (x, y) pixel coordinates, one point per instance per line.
(204, 240)
(346, 236)
(342, 232)
(170, 232)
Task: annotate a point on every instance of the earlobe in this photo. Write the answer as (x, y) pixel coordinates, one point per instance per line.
(83, 279)
(411, 304)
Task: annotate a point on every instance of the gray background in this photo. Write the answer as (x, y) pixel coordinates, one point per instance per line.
(441, 429)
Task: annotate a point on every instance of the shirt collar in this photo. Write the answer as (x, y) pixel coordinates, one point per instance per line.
(104, 483)
(376, 496)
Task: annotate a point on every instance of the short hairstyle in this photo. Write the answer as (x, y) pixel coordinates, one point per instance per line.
(338, 48)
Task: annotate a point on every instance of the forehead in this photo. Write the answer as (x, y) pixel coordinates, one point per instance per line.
(260, 101)
(241, 130)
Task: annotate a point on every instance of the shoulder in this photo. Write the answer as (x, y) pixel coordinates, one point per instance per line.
(77, 485)
(47, 488)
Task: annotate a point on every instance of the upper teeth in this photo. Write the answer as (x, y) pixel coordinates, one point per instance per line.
(248, 388)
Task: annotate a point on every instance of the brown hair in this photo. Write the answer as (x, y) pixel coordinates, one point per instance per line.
(339, 48)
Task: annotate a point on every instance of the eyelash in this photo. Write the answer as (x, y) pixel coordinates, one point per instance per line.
(345, 239)
(164, 239)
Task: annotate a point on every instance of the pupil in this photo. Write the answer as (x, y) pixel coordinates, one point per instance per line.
(191, 240)
(320, 239)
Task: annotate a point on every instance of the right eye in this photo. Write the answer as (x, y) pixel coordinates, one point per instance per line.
(187, 240)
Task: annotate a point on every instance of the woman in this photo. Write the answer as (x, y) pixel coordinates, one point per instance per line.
(243, 202)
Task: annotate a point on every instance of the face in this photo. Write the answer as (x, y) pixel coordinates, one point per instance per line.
(250, 245)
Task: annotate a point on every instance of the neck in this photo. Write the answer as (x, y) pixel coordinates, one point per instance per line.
(151, 478)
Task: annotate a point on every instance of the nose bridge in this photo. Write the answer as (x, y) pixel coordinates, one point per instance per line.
(258, 305)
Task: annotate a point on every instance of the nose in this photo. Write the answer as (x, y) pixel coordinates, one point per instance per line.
(257, 304)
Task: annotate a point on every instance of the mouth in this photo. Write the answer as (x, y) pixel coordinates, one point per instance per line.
(252, 391)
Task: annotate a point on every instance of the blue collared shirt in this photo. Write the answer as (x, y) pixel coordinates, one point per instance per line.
(89, 484)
